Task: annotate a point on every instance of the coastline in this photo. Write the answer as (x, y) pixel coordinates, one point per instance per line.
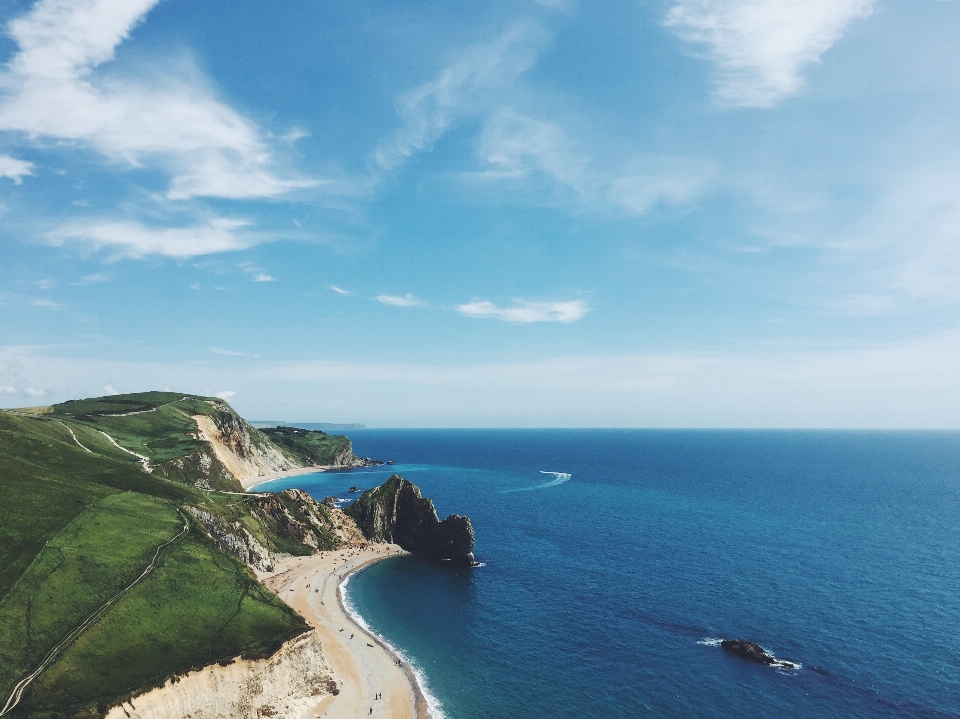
(422, 702)
(364, 665)
(250, 483)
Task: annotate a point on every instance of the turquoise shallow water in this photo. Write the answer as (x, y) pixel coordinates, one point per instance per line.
(602, 591)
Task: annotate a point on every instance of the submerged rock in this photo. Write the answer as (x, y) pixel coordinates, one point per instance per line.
(396, 512)
(754, 653)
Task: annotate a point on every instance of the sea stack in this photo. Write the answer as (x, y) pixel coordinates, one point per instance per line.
(395, 512)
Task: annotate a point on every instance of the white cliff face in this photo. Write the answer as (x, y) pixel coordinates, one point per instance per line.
(233, 443)
(288, 684)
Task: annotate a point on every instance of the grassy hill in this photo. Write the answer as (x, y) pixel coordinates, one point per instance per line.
(96, 493)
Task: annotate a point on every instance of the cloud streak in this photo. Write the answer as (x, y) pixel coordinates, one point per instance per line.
(133, 239)
(761, 47)
(15, 169)
(466, 87)
(408, 300)
(518, 148)
(53, 87)
(526, 312)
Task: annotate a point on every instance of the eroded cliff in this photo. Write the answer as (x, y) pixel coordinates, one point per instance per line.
(396, 512)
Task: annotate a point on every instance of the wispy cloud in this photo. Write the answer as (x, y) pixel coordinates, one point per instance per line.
(524, 311)
(169, 121)
(263, 277)
(340, 290)
(467, 86)
(230, 353)
(15, 169)
(108, 390)
(49, 304)
(408, 300)
(226, 394)
(93, 279)
(518, 148)
(133, 239)
(761, 47)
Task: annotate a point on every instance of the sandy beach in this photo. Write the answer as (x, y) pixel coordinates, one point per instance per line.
(364, 666)
(251, 482)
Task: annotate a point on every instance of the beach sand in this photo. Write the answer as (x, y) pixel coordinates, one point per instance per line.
(363, 666)
(252, 482)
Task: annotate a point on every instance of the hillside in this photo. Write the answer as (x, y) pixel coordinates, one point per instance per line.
(127, 542)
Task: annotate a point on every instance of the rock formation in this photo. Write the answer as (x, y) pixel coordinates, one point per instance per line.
(288, 522)
(395, 512)
(754, 653)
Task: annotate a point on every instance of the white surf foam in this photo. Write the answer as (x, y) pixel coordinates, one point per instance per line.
(433, 704)
(710, 642)
(559, 478)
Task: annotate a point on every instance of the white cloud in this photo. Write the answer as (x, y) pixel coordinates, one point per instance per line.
(407, 300)
(763, 46)
(34, 392)
(7, 389)
(340, 291)
(93, 279)
(133, 239)
(53, 87)
(524, 311)
(263, 277)
(108, 390)
(227, 394)
(229, 353)
(49, 304)
(464, 88)
(15, 169)
(519, 148)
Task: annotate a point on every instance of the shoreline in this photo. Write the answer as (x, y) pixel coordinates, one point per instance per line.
(364, 665)
(251, 483)
(422, 704)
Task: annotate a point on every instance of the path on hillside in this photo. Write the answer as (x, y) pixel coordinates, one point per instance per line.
(144, 460)
(74, 436)
(48, 659)
(143, 411)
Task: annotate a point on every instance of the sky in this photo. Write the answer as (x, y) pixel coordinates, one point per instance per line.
(507, 213)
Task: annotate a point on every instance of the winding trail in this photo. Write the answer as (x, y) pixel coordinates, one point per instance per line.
(17, 693)
(143, 411)
(144, 460)
(75, 437)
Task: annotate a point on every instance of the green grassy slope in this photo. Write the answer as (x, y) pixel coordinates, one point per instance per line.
(81, 567)
(309, 446)
(199, 607)
(78, 524)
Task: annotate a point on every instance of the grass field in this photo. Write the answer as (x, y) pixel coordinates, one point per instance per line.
(200, 606)
(102, 550)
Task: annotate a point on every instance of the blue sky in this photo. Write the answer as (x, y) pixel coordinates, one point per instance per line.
(723, 213)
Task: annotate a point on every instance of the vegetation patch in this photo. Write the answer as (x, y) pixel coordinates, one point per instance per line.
(200, 606)
(310, 446)
(99, 553)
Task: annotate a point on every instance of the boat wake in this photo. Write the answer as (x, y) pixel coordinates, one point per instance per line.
(558, 478)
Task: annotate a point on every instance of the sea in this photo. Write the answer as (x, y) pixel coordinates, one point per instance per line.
(614, 562)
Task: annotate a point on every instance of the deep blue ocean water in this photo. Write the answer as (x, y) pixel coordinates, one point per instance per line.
(601, 592)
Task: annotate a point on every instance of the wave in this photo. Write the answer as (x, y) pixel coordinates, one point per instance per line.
(559, 478)
(433, 704)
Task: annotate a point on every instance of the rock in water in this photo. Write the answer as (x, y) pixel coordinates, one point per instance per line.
(395, 512)
(754, 652)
